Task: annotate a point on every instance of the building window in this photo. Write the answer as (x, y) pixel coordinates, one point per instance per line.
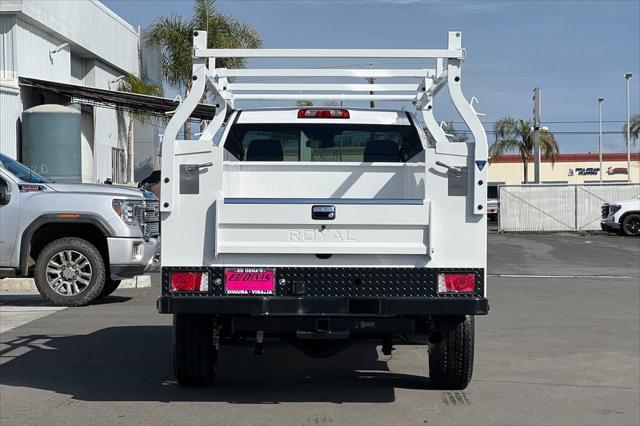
(118, 163)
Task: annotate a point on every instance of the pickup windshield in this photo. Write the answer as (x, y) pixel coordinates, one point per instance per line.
(323, 142)
(21, 171)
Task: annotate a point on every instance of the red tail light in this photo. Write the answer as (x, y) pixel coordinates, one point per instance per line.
(323, 113)
(456, 283)
(189, 281)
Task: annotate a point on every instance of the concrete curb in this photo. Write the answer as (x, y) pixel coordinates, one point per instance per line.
(17, 285)
(27, 285)
(140, 281)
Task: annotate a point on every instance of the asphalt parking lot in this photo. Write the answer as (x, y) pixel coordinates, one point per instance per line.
(560, 346)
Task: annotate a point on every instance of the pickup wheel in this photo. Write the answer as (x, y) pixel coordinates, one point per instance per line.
(70, 272)
(451, 360)
(631, 225)
(109, 287)
(194, 356)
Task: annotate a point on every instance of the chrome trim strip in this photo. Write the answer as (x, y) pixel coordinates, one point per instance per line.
(385, 201)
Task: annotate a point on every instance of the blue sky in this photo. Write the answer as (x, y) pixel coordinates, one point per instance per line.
(575, 51)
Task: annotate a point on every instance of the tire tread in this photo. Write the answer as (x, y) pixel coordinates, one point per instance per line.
(195, 357)
(109, 287)
(451, 361)
(623, 227)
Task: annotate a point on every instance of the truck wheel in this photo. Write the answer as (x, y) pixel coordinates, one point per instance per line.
(109, 287)
(451, 360)
(631, 225)
(70, 272)
(194, 356)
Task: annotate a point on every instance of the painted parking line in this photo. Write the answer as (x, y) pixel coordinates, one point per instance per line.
(21, 309)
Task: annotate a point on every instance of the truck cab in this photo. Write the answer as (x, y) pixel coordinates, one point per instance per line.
(324, 226)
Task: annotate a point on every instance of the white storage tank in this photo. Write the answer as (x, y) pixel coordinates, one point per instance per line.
(51, 142)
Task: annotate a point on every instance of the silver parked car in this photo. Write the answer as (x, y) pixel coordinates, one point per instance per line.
(77, 240)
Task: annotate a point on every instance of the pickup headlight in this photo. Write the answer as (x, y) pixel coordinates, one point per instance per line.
(614, 208)
(130, 211)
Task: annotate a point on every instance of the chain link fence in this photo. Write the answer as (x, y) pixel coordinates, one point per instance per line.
(545, 207)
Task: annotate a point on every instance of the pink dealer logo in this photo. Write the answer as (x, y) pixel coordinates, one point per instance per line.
(249, 281)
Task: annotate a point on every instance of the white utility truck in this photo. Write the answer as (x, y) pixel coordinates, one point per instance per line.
(324, 226)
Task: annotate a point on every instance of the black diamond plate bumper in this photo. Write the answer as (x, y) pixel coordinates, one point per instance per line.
(332, 291)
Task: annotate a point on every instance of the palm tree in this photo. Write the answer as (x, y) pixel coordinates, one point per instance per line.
(453, 135)
(517, 135)
(634, 126)
(173, 35)
(134, 84)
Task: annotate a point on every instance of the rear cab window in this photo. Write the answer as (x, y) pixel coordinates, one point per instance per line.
(333, 141)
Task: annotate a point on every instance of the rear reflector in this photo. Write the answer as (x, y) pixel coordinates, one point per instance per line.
(189, 281)
(323, 113)
(456, 283)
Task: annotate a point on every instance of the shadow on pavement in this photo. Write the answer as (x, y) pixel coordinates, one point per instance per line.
(37, 300)
(134, 364)
(110, 299)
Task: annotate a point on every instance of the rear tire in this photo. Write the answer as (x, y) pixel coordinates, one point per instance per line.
(630, 225)
(194, 355)
(109, 287)
(451, 360)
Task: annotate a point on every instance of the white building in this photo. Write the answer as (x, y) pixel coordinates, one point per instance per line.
(80, 43)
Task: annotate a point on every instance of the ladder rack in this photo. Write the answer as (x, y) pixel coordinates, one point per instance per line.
(227, 87)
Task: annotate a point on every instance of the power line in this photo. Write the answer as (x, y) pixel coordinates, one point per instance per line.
(557, 122)
(574, 132)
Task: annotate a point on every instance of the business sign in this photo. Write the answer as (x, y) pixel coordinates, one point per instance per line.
(584, 171)
(617, 171)
(592, 171)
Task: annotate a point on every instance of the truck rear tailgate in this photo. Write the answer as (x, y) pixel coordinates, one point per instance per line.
(359, 227)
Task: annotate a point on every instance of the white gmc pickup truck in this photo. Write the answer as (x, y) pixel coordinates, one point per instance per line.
(622, 217)
(324, 226)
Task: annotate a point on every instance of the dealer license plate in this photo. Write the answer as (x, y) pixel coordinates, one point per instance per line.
(249, 281)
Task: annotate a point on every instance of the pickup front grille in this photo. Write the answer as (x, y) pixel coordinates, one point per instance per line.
(151, 218)
(151, 211)
(152, 229)
(605, 211)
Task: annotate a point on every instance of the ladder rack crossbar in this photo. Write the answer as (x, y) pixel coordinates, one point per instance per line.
(320, 97)
(323, 87)
(329, 53)
(325, 72)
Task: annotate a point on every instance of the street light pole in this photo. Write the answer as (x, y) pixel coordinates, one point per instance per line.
(536, 132)
(627, 77)
(600, 134)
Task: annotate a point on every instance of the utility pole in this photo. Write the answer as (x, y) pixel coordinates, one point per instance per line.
(372, 103)
(536, 133)
(627, 77)
(371, 80)
(600, 134)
